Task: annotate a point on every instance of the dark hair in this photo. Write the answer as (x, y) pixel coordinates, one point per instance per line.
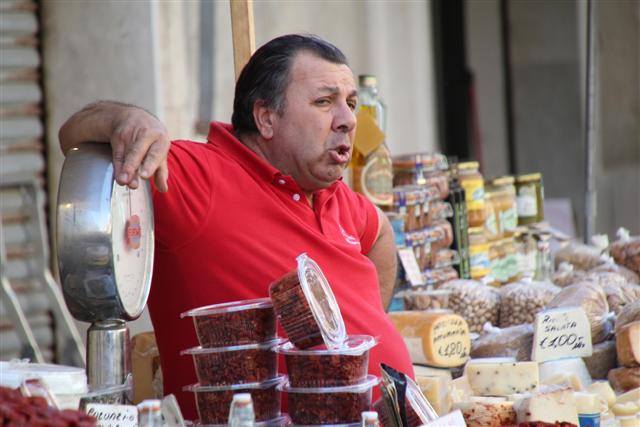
(267, 74)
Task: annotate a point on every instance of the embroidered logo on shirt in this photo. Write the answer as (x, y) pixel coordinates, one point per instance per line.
(348, 238)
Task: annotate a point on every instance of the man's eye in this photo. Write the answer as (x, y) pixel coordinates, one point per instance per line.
(352, 105)
(323, 101)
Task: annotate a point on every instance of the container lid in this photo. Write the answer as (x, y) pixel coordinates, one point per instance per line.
(322, 302)
(503, 180)
(258, 346)
(355, 345)
(282, 420)
(228, 307)
(197, 388)
(368, 80)
(365, 385)
(59, 378)
(529, 177)
(468, 165)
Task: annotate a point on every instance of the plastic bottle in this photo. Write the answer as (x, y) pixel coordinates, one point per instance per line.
(241, 411)
(370, 419)
(150, 413)
(371, 164)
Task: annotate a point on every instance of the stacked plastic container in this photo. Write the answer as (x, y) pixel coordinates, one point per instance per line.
(328, 381)
(235, 356)
(420, 193)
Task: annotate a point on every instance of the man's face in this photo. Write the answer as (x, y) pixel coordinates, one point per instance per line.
(313, 138)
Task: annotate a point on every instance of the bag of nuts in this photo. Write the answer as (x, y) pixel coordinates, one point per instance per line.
(566, 274)
(520, 301)
(476, 302)
(626, 250)
(514, 341)
(593, 300)
(619, 293)
(581, 256)
(612, 267)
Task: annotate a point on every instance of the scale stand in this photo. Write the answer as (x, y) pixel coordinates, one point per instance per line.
(108, 354)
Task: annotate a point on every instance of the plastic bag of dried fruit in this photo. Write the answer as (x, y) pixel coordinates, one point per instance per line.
(520, 301)
(476, 302)
(566, 274)
(626, 250)
(630, 313)
(593, 300)
(514, 341)
(581, 256)
(612, 267)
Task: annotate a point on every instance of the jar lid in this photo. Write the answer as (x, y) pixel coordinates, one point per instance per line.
(355, 345)
(468, 165)
(529, 177)
(476, 230)
(59, 378)
(367, 80)
(363, 386)
(503, 180)
(228, 307)
(257, 346)
(322, 302)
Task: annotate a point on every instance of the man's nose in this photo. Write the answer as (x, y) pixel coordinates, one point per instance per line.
(344, 119)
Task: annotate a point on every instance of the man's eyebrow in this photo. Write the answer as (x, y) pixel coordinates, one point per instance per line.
(334, 90)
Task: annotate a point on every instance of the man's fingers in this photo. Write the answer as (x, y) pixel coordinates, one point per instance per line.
(154, 157)
(136, 151)
(117, 150)
(161, 177)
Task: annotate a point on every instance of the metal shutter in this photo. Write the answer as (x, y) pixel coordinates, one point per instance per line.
(32, 323)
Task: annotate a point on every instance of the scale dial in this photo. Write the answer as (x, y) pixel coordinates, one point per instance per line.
(132, 245)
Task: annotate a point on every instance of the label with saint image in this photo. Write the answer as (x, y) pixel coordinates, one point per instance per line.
(376, 179)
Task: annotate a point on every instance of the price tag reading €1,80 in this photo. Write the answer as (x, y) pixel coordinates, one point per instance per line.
(410, 265)
(561, 332)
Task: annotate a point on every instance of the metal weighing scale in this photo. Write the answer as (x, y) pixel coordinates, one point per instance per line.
(105, 256)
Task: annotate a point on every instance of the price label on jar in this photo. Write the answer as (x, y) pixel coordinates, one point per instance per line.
(410, 265)
(113, 415)
(561, 333)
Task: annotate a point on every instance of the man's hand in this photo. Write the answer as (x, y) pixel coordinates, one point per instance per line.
(139, 141)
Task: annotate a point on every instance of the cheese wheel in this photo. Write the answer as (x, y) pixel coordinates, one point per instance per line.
(438, 338)
(628, 344)
(630, 396)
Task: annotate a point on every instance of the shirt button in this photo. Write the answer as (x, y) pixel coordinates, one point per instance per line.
(296, 197)
(281, 182)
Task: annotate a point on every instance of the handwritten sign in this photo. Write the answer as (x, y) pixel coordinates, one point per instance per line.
(410, 265)
(113, 415)
(560, 333)
(453, 419)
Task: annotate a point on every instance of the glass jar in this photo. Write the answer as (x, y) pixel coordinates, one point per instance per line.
(496, 263)
(478, 253)
(526, 254)
(491, 223)
(472, 181)
(503, 196)
(510, 259)
(530, 195)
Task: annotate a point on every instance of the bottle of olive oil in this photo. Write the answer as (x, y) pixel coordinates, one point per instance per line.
(371, 165)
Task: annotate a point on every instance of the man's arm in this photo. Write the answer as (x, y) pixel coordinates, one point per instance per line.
(139, 141)
(383, 256)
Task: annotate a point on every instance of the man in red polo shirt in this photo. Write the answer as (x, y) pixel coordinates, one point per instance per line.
(241, 207)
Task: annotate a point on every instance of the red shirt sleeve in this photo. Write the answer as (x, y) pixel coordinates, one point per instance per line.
(364, 215)
(180, 213)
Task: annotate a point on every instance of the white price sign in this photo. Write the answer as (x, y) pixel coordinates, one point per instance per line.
(410, 265)
(561, 332)
(113, 415)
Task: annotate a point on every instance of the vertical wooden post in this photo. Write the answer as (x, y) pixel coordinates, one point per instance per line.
(244, 40)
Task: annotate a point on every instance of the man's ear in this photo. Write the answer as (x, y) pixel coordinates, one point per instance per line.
(264, 117)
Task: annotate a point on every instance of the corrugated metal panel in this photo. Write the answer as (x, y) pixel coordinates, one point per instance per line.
(21, 159)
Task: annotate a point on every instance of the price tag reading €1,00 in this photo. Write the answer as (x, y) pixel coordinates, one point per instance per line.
(410, 265)
(561, 332)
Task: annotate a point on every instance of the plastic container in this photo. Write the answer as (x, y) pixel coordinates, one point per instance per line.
(234, 323)
(418, 299)
(281, 421)
(328, 367)
(306, 307)
(248, 363)
(329, 405)
(417, 408)
(67, 383)
(212, 402)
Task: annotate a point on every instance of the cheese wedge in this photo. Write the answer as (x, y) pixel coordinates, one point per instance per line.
(551, 404)
(492, 377)
(604, 391)
(630, 396)
(487, 412)
(436, 390)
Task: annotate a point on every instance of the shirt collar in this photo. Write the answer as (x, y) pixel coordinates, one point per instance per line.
(222, 135)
